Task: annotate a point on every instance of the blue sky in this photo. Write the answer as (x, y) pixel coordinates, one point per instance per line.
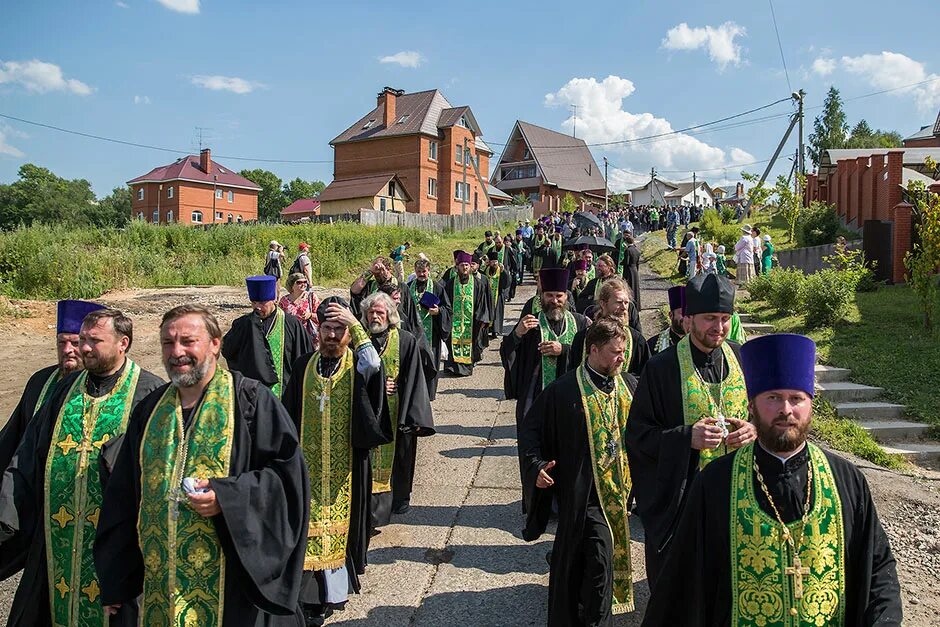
(278, 80)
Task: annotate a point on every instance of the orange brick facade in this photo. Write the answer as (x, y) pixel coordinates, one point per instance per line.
(192, 200)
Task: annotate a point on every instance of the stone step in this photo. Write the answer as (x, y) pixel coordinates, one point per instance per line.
(844, 391)
(831, 374)
(890, 430)
(916, 451)
(756, 328)
(746, 317)
(870, 410)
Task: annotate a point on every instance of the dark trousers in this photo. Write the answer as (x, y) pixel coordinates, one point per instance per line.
(597, 581)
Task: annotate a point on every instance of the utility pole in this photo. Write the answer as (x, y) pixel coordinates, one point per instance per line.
(801, 161)
(606, 188)
(574, 127)
(652, 183)
(694, 191)
(463, 192)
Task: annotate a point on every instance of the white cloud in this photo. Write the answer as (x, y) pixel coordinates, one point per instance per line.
(6, 132)
(404, 58)
(890, 70)
(824, 66)
(226, 83)
(181, 6)
(40, 77)
(144, 100)
(718, 41)
(122, 5)
(602, 118)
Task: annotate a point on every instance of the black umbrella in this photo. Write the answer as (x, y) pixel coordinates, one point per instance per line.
(586, 218)
(595, 243)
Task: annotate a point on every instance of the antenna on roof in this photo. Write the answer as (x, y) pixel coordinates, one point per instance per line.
(574, 128)
(201, 136)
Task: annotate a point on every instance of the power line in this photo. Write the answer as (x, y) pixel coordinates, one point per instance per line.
(780, 45)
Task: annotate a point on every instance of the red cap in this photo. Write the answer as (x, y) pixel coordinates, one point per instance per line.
(303, 246)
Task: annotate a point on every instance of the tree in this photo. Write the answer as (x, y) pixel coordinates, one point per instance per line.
(299, 188)
(112, 210)
(271, 198)
(922, 261)
(41, 196)
(757, 195)
(863, 136)
(790, 202)
(829, 128)
(520, 200)
(569, 204)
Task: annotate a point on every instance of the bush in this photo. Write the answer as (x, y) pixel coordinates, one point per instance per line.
(729, 214)
(826, 297)
(714, 229)
(786, 290)
(818, 224)
(760, 286)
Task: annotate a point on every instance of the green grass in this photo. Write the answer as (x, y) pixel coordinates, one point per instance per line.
(52, 262)
(847, 435)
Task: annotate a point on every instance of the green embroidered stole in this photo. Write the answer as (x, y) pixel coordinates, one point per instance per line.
(606, 416)
(184, 564)
(627, 352)
(664, 341)
(699, 397)
(556, 248)
(383, 457)
(275, 339)
(325, 435)
(73, 495)
(537, 259)
(621, 253)
(592, 272)
(763, 577)
(537, 304)
(568, 331)
(494, 284)
(427, 320)
(47, 389)
(461, 337)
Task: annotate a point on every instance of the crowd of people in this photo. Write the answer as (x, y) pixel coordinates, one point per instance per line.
(248, 494)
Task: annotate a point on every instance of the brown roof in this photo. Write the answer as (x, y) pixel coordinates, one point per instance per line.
(188, 169)
(564, 161)
(360, 187)
(301, 205)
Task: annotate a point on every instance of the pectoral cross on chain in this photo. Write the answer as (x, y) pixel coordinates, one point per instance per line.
(324, 399)
(797, 571)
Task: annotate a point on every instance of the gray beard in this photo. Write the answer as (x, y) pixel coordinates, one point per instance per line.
(555, 314)
(191, 378)
(377, 327)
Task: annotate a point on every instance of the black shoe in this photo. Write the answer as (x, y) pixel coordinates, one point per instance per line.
(401, 507)
(315, 615)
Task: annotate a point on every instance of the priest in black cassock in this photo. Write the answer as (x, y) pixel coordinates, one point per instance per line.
(337, 402)
(210, 530)
(500, 280)
(690, 408)
(589, 296)
(671, 335)
(629, 262)
(467, 298)
(407, 405)
(41, 385)
(584, 468)
(533, 306)
(579, 279)
(264, 344)
(614, 302)
(51, 491)
(780, 532)
(434, 315)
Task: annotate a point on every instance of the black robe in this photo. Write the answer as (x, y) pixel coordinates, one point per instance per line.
(370, 428)
(267, 490)
(695, 587)
(440, 328)
(414, 420)
(654, 340)
(527, 306)
(481, 318)
(498, 306)
(555, 428)
(638, 357)
(631, 272)
(22, 513)
(586, 300)
(29, 403)
(406, 308)
(662, 460)
(246, 348)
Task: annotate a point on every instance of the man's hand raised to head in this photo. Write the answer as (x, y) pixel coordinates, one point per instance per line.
(335, 311)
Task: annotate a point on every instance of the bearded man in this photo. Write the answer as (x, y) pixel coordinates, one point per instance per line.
(589, 298)
(434, 315)
(614, 303)
(807, 514)
(407, 406)
(690, 408)
(51, 494)
(205, 514)
(469, 302)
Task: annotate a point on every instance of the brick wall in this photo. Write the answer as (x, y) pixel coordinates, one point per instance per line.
(189, 197)
(902, 239)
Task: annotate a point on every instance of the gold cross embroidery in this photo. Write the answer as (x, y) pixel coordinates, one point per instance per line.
(91, 591)
(63, 517)
(100, 443)
(62, 587)
(67, 444)
(93, 517)
(797, 571)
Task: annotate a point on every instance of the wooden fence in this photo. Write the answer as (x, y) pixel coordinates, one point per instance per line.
(432, 221)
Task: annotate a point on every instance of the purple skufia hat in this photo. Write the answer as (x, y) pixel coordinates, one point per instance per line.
(553, 279)
(579, 264)
(261, 288)
(428, 300)
(70, 313)
(677, 297)
(461, 256)
(781, 361)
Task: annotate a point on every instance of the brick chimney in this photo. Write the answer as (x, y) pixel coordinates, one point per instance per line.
(205, 160)
(386, 103)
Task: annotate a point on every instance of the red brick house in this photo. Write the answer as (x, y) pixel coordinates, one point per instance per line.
(436, 151)
(545, 166)
(193, 190)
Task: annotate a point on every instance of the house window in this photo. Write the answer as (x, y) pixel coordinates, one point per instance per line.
(526, 154)
(461, 191)
(169, 192)
(368, 124)
(218, 215)
(463, 122)
(218, 194)
(403, 118)
(475, 201)
(140, 193)
(467, 157)
(169, 216)
(458, 154)
(432, 151)
(381, 204)
(432, 188)
(391, 188)
(231, 196)
(156, 216)
(197, 217)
